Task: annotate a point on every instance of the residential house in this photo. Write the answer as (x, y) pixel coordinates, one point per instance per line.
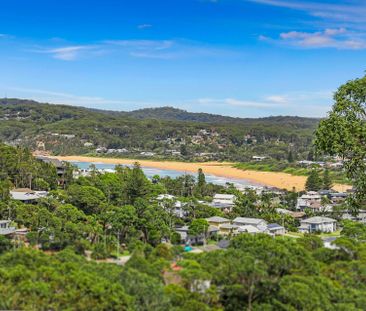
(223, 201)
(228, 229)
(60, 167)
(189, 239)
(259, 158)
(147, 153)
(297, 215)
(318, 224)
(276, 229)
(27, 195)
(218, 221)
(308, 199)
(361, 216)
(5, 228)
(178, 206)
(338, 197)
(260, 224)
(248, 229)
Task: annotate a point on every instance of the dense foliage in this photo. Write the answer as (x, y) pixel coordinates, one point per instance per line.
(343, 134)
(160, 130)
(73, 230)
(18, 168)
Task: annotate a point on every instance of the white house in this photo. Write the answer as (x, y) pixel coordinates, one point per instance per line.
(308, 200)
(5, 228)
(260, 224)
(179, 210)
(258, 158)
(318, 224)
(248, 229)
(27, 195)
(223, 201)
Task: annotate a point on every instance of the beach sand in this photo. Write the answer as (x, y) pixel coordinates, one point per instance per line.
(225, 169)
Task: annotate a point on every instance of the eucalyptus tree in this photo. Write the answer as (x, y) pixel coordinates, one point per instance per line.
(343, 133)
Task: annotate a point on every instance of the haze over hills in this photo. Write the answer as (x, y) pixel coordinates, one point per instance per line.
(162, 131)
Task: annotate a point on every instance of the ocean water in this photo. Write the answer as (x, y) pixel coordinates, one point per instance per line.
(150, 172)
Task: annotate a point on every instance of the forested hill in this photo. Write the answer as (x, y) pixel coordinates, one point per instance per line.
(161, 113)
(175, 114)
(159, 130)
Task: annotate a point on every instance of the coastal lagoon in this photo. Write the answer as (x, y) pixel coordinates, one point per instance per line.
(150, 172)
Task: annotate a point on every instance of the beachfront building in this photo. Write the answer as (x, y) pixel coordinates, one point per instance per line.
(318, 224)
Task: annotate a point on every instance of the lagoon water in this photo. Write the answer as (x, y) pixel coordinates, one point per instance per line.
(150, 172)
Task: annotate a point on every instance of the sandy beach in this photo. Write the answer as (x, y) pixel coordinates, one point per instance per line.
(279, 180)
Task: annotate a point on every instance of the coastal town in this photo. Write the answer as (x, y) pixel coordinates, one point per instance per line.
(319, 212)
(196, 155)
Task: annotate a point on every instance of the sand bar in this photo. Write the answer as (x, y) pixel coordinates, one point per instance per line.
(275, 179)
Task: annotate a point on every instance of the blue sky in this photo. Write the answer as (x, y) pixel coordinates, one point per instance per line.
(244, 58)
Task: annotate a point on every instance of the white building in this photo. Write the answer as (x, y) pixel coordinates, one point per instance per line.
(260, 224)
(258, 158)
(248, 229)
(27, 195)
(318, 224)
(5, 228)
(177, 205)
(223, 201)
(308, 199)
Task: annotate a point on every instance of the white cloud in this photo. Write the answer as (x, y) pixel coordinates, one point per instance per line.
(144, 26)
(349, 11)
(312, 104)
(338, 38)
(275, 102)
(154, 49)
(143, 44)
(72, 99)
(344, 23)
(280, 99)
(68, 53)
(266, 103)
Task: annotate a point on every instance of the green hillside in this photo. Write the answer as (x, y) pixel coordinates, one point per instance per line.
(164, 131)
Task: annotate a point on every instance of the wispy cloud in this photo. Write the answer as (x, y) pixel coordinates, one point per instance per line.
(338, 38)
(69, 53)
(143, 44)
(154, 49)
(235, 102)
(144, 26)
(351, 11)
(294, 103)
(72, 99)
(276, 101)
(343, 24)
(6, 36)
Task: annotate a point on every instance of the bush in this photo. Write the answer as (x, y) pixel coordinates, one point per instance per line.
(99, 251)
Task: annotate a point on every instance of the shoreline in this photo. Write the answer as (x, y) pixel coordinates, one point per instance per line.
(224, 169)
